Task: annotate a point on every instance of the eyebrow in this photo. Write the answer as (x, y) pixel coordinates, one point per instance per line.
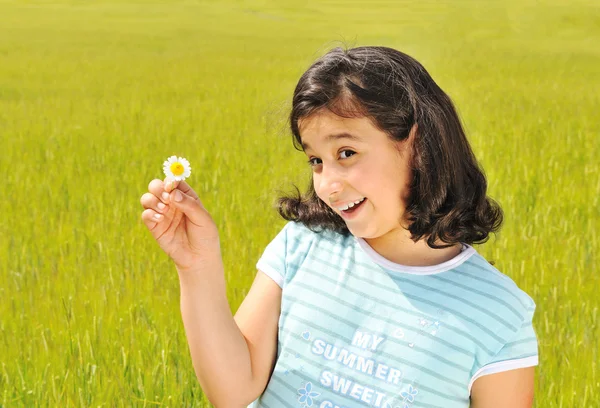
(335, 136)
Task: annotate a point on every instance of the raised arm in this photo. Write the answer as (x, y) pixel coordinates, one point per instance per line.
(258, 319)
(233, 357)
(232, 363)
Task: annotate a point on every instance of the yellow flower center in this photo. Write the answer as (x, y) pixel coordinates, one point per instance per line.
(177, 169)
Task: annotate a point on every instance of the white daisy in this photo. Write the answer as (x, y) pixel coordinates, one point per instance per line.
(177, 168)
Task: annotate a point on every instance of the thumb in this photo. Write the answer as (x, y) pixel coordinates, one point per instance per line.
(187, 205)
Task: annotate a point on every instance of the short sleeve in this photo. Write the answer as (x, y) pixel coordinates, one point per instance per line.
(520, 352)
(273, 260)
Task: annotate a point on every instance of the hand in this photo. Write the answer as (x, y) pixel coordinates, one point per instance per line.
(183, 229)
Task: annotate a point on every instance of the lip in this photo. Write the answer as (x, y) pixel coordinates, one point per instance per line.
(354, 214)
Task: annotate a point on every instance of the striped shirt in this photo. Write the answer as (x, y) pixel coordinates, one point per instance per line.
(358, 330)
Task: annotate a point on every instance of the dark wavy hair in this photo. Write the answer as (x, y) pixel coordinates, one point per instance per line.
(447, 199)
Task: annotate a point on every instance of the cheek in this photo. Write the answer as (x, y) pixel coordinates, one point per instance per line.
(388, 184)
(316, 188)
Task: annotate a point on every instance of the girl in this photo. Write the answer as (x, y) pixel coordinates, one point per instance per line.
(371, 294)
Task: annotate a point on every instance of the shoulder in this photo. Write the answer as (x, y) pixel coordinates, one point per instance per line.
(493, 302)
(308, 247)
(505, 330)
(280, 256)
(297, 232)
(479, 273)
(303, 241)
(295, 241)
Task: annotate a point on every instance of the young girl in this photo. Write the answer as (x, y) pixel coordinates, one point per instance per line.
(371, 294)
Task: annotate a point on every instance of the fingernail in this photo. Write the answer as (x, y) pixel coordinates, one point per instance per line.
(165, 195)
(178, 196)
(160, 206)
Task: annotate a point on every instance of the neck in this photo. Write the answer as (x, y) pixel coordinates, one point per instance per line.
(396, 246)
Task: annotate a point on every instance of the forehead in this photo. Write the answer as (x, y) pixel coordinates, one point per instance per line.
(325, 128)
(332, 137)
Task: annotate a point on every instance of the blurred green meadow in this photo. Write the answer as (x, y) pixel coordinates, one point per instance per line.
(95, 95)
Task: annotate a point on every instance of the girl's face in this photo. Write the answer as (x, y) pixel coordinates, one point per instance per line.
(352, 159)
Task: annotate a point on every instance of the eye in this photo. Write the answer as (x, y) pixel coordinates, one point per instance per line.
(310, 162)
(348, 151)
(313, 164)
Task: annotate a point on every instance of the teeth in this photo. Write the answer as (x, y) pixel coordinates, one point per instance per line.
(351, 204)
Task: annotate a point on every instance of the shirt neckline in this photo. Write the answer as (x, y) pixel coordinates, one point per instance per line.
(466, 252)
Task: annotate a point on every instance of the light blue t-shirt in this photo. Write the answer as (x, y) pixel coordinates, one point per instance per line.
(357, 330)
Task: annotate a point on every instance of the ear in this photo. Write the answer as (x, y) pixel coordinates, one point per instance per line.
(407, 144)
(413, 132)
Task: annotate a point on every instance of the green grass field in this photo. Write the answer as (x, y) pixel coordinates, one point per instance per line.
(94, 96)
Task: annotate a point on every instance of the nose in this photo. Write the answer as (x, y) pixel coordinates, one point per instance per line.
(330, 182)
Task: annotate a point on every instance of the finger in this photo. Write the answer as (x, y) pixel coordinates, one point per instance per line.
(171, 184)
(151, 218)
(156, 187)
(150, 201)
(190, 206)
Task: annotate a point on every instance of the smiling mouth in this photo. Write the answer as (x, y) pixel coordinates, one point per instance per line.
(351, 210)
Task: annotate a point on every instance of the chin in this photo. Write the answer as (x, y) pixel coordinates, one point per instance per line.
(360, 233)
